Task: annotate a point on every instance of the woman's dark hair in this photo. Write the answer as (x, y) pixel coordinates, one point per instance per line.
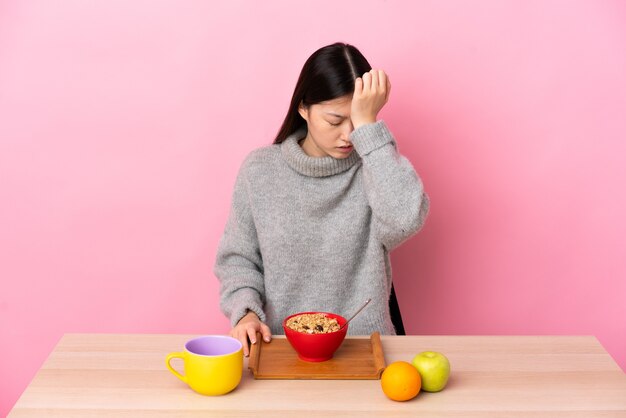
(327, 74)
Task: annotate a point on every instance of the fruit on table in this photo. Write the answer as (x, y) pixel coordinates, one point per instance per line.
(434, 369)
(400, 381)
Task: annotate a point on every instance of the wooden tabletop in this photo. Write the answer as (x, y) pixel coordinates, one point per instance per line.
(105, 375)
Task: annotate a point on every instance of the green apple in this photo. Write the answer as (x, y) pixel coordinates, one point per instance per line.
(434, 369)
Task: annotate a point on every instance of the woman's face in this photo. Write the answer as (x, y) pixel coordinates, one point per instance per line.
(329, 128)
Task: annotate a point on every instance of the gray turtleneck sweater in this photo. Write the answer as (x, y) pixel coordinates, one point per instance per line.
(314, 233)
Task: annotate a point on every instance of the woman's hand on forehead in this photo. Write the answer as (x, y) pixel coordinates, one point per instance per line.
(371, 92)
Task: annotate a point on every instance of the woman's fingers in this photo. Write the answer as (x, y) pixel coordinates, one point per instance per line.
(241, 335)
(382, 83)
(247, 328)
(374, 86)
(382, 80)
(367, 82)
(375, 82)
(266, 332)
(358, 86)
(251, 330)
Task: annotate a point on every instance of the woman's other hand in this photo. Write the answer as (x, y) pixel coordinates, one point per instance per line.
(371, 92)
(247, 328)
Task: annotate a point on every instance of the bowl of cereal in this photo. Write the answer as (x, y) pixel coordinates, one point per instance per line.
(315, 335)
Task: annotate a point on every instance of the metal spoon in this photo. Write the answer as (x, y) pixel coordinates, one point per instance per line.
(357, 312)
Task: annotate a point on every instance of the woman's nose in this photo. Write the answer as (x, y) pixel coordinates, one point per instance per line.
(347, 130)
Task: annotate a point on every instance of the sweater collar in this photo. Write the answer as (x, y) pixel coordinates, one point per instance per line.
(313, 166)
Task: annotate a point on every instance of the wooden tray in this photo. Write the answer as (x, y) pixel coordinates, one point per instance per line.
(357, 358)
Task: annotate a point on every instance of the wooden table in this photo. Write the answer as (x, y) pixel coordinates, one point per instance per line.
(492, 376)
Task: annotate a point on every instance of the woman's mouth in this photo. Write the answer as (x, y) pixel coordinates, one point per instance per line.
(345, 149)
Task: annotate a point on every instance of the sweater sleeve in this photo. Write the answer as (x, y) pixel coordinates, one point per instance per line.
(238, 265)
(393, 188)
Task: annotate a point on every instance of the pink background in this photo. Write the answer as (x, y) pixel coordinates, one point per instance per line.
(123, 124)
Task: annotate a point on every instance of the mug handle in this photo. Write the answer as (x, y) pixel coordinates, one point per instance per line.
(169, 358)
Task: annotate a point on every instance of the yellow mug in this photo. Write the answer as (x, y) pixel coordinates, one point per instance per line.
(213, 364)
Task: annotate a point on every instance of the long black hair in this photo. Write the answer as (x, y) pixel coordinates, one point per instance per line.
(329, 73)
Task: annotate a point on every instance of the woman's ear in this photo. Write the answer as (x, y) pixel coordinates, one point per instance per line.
(304, 111)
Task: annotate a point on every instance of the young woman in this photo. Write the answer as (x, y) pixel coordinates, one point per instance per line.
(315, 215)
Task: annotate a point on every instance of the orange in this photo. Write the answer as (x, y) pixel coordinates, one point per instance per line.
(401, 381)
